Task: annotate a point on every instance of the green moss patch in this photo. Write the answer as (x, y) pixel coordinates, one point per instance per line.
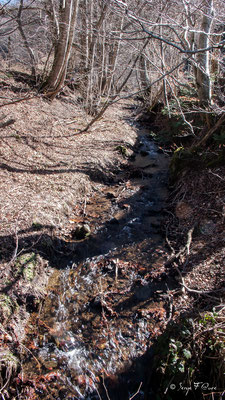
(7, 307)
(26, 266)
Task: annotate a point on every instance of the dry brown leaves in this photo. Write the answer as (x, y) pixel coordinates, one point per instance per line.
(46, 171)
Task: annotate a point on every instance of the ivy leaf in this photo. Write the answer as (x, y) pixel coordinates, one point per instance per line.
(187, 353)
(181, 367)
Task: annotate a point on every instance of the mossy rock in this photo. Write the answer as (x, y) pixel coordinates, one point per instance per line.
(8, 359)
(26, 265)
(37, 226)
(81, 232)
(7, 307)
(122, 150)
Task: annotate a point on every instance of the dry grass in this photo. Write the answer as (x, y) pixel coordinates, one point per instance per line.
(45, 170)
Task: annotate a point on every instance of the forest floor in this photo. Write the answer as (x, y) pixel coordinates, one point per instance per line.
(48, 175)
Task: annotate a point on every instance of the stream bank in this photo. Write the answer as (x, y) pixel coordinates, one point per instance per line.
(111, 294)
(103, 310)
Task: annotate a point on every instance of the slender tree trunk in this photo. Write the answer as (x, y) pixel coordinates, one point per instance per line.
(203, 71)
(143, 75)
(67, 21)
(26, 44)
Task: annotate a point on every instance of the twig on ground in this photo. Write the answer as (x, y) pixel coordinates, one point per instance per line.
(170, 301)
(200, 292)
(218, 176)
(117, 266)
(85, 205)
(135, 394)
(17, 244)
(7, 123)
(5, 385)
(35, 358)
(168, 242)
(203, 292)
(175, 256)
(189, 240)
(98, 393)
(106, 390)
(17, 101)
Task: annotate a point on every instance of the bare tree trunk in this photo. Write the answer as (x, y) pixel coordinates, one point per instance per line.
(26, 44)
(144, 78)
(203, 71)
(113, 59)
(67, 21)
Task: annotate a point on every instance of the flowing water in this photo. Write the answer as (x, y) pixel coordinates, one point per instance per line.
(92, 337)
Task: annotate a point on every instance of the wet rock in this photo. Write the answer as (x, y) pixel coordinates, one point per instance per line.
(143, 293)
(82, 231)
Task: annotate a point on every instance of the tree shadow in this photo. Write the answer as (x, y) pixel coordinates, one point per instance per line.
(139, 227)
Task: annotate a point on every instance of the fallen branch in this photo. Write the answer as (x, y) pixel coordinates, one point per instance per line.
(218, 176)
(189, 239)
(199, 292)
(7, 123)
(16, 247)
(204, 292)
(210, 132)
(106, 390)
(175, 256)
(17, 101)
(135, 394)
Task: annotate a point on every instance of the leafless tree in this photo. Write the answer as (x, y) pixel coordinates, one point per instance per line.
(64, 19)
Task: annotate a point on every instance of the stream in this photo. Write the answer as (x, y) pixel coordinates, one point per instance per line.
(92, 337)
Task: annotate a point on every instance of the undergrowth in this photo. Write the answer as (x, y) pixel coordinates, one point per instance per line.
(189, 359)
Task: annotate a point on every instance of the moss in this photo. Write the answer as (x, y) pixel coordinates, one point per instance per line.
(37, 226)
(6, 307)
(8, 358)
(122, 150)
(26, 265)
